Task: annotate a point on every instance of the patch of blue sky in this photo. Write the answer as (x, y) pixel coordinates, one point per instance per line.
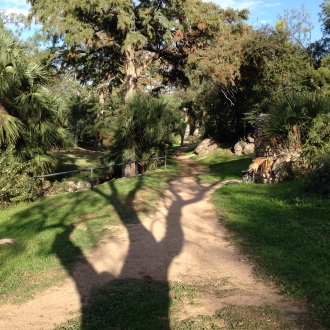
(266, 12)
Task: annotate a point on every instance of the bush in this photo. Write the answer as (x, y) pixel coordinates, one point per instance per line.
(14, 183)
(317, 182)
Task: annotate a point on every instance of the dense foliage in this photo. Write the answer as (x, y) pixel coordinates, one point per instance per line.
(31, 117)
(220, 72)
(142, 128)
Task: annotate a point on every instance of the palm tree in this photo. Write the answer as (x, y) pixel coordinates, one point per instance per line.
(30, 115)
(300, 122)
(142, 127)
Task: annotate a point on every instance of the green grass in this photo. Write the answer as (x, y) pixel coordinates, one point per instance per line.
(288, 236)
(147, 305)
(223, 165)
(76, 159)
(52, 232)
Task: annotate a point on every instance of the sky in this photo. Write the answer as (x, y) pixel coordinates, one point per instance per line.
(266, 12)
(261, 11)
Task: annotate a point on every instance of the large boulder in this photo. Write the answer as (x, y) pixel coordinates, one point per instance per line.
(241, 148)
(70, 186)
(238, 149)
(205, 147)
(248, 148)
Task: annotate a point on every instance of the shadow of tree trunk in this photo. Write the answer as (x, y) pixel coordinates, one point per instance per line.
(137, 298)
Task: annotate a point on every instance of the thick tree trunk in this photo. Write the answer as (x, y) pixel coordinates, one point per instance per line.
(131, 74)
(130, 170)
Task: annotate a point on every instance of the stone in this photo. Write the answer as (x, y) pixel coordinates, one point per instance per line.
(250, 139)
(247, 177)
(7, 241)
(205, 147)
(81, 185)
(238, 149)
(248, 148)
(70, 186)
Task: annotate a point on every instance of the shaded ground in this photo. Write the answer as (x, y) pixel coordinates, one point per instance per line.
(182, 242)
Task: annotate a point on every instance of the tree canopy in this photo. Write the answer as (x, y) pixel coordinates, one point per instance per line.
(120, 40)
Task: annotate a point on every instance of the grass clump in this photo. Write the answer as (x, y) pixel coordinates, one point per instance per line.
(288, 236)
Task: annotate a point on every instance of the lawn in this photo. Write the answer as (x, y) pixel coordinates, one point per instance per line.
(77, 159)
(223, 165)
(40, 229)
(288, 237)
(285, 232)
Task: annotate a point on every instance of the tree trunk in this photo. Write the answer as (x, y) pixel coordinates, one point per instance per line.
(129, 170)
(131, 74)
(182, 140)
(186, 120)
(76, 134)
(196, 130)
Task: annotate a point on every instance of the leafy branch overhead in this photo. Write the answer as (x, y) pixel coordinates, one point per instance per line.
(122, 39)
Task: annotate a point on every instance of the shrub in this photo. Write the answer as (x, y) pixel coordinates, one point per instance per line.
(317, 182)
(13, 182)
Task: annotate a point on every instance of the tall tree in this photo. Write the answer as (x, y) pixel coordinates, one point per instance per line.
(298, 25)
(117, 41)
(272, 66)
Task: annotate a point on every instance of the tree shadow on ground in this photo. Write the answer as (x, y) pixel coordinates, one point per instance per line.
(137, 297)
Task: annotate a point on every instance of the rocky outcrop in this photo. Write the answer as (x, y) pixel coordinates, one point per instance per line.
(243, 148)
(206, 147)
(271, 163)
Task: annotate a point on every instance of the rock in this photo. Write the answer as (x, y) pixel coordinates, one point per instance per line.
(81, 185)
(233, 182)
(250, 139)
(6, 241)
(248, 148)
(238, 149)
(205, 147)
(241, 148)
(70, 186)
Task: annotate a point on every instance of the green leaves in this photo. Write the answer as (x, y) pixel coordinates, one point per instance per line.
(301, 120)
(30, 114)
(141, 128)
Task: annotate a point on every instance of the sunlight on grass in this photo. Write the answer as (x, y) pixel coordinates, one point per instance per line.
(223, 165)
(90, 215)
(77, 159)
(288, 236)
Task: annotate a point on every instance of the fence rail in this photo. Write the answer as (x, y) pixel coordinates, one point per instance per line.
(91, 170)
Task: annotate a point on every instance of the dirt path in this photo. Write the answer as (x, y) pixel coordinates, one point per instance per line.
(182, 242)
